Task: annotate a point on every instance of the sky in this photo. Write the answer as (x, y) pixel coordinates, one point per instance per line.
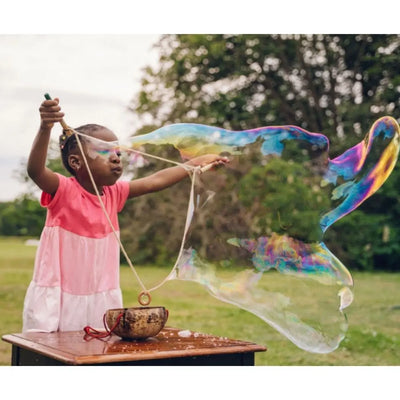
(94, 75)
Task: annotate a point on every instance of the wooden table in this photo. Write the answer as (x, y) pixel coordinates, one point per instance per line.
(170, 347)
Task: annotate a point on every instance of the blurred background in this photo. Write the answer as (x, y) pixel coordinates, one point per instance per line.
(337, 85)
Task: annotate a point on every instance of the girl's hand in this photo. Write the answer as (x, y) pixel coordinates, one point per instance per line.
(50, 113)
(208, 161)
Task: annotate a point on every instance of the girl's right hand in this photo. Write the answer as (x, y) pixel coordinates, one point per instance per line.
(50, 113)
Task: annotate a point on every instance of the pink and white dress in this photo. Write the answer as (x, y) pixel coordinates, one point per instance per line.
(76, 273)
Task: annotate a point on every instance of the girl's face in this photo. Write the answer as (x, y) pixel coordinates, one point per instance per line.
(103, 156)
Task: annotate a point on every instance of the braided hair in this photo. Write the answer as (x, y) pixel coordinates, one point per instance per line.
(68, 143)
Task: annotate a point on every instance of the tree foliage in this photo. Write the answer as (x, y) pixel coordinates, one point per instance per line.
(21, 217)
(332, 84)
(337, 85)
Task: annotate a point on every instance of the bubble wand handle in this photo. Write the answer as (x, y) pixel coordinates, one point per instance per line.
(62, 122)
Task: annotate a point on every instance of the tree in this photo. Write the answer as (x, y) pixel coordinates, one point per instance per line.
(22, 217)
(337, 85)
(332, 84)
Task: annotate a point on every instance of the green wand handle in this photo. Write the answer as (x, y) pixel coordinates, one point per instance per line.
(62, 122)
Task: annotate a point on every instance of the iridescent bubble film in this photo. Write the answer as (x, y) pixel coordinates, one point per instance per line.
(279, 193)
(99, 148)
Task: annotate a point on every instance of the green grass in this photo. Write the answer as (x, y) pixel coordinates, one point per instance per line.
(373, 337)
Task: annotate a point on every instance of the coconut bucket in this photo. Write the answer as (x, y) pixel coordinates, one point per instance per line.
(136, 322)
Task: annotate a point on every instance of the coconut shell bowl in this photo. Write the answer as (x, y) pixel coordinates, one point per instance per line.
(136, 322)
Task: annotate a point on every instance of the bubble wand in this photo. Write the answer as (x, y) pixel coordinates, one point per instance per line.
(144, 297)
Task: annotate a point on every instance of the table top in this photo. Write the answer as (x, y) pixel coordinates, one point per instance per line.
(77, 348)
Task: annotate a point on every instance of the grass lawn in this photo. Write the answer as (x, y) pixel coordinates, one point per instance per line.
(373, 337)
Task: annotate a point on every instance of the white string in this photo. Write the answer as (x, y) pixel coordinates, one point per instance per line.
(105, 212)
(115, 144)
(185, 166)
(188, 218)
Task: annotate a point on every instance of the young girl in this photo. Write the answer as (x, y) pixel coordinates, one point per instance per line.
(76, 273)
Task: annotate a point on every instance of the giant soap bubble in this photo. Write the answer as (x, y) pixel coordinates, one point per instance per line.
(281, 192)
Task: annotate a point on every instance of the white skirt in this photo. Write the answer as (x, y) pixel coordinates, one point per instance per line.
(48, 309)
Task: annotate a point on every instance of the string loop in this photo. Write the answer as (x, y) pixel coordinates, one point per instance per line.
(94, 333)
(144, 298)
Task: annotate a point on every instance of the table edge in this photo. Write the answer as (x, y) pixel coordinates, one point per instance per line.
(71, 359)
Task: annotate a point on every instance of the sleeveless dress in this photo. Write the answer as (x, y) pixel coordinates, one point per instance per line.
(76, 273)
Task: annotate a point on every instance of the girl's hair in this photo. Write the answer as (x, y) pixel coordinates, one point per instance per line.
(68, 144)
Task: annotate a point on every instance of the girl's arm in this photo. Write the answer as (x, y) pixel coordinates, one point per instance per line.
(44, 178)
(169, 176)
